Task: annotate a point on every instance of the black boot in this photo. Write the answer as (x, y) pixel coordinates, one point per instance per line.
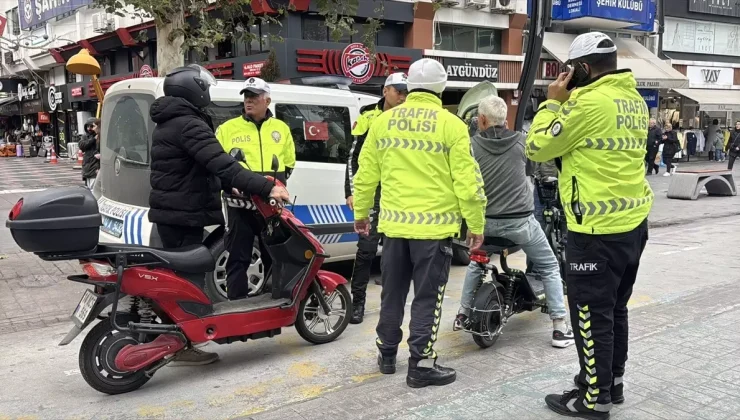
(387, 364)
(617, 391)
(420, 377)
(358, 313)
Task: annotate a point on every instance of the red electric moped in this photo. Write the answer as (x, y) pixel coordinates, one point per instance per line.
(157, 299)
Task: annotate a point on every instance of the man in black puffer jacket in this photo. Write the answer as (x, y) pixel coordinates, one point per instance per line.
(188, 166)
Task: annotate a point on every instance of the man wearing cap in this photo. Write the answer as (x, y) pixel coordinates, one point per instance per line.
(394, 93)
(421, 155)
(598, 128)
(260, 136)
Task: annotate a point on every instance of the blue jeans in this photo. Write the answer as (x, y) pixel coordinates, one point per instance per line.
(719, 155)
(527, 233)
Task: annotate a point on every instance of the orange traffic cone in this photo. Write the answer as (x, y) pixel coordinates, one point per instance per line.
(53, 157)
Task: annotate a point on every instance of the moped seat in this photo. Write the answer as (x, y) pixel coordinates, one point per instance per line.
(497, 245)
(194, 259)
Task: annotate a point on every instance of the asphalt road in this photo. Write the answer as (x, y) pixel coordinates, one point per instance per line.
(685, 362)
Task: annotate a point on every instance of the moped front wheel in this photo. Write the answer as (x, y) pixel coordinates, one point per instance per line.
(97, 360)
(318, 327)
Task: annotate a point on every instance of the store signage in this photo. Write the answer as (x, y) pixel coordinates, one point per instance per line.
(356, 63)
(10, 85)
(252, 69)
(55, 98)
(44, 118)
(650, 97)
(716, 7)
(471, 70)
(550, 69)
(28, 92)
(351, 62)
(631, 11)
(33, 106)
(3, 23)
(710, 77)
(146, 71)
(699, 37)
(76, 92)
(35, 12)
(648, 84)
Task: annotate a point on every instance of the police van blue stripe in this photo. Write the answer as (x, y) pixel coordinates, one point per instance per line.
(322, 214)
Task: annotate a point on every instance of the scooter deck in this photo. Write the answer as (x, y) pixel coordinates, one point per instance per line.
(249, 304)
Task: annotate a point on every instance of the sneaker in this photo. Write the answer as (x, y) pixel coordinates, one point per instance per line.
(617, 390)
(570, 404)
(358, 314)
(460, 322)
(420, 377)
(387, 364)
(562, 340)
(666, 174)
(193, 357)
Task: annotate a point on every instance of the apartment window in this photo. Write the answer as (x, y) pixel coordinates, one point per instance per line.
(259, 42)
(14, 21)
(315, 29)
(468, 39)
(70, 77)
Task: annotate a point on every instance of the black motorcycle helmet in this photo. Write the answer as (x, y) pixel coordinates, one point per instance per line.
(191, 83)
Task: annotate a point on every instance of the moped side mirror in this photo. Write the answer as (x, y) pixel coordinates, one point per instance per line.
(275, 163)
(238, 154)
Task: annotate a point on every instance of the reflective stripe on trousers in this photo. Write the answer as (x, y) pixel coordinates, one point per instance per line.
(420, 218)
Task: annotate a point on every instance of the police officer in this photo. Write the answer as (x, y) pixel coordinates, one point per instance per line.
(599, 130)
(260, 136)
(394, 93)
(421, 155)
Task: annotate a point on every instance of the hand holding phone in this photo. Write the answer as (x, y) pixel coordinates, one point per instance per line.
(558, 89)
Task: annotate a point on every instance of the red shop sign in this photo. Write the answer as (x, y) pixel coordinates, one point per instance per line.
(252, 69)
(44, 118)
(352, 62)
(75, 92)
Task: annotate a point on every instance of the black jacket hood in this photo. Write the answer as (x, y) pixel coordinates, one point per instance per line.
(170, 107)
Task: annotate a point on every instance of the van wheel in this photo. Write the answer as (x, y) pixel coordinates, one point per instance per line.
(216, 280)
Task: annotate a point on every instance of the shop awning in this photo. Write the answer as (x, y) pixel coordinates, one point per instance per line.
(8, 100)
(713, 99)
(649, 70)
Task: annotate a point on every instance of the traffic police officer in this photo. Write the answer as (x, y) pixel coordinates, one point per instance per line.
(421, 155)
(260, 136)
(394, 93)
(599, 131)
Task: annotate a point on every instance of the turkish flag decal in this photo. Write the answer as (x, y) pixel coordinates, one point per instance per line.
(316, 131)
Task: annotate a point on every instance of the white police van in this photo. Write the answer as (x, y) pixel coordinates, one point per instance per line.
(317, 183)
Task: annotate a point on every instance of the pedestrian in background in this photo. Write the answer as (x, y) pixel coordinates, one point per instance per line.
(671, 146)
(394, 93)
(710, 134)
(89, 144)
(605, 238)
(734, 145)
(420, 153)
(655, 136)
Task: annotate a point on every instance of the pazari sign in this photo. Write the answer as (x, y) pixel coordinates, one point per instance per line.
(36, 12)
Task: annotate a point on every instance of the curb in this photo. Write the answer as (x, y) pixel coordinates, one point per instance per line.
(687, 220)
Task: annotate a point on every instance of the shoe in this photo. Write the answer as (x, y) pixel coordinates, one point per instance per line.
(460, 322)
(420, 377)
(617, 390)
(194, 357)
(562, 340)
(378, 281)
(570, 404)
(387, 364)
(667, 174)
(358, 314)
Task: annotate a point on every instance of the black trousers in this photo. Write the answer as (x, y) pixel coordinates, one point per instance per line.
(650, 162)
(427, 262)
(367, 250)
(243, 226)
(730, 161)
(668, 160)
(173, 236)
(600, 274)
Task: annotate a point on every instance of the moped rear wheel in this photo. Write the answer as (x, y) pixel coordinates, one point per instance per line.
(486, 322)
(97, 360)
(315, 326)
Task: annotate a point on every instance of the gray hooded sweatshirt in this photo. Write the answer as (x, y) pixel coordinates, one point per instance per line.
(500, 155)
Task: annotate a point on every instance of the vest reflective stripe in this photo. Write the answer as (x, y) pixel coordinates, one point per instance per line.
(552, 107)
(600, 208)
(418, 218)
(423, 145)
(616, 144)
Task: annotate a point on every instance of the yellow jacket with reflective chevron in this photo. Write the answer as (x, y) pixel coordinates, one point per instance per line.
(600, 133)
(421, 155)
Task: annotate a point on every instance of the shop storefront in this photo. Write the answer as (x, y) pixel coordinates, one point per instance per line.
(56, 101)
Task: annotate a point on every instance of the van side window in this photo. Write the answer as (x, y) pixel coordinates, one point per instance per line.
(220, 112)
(321, 133)
(128, 128)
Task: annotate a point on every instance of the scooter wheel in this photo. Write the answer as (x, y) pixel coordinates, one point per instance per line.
(489, 319)
(315, 326)
(97, 360)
